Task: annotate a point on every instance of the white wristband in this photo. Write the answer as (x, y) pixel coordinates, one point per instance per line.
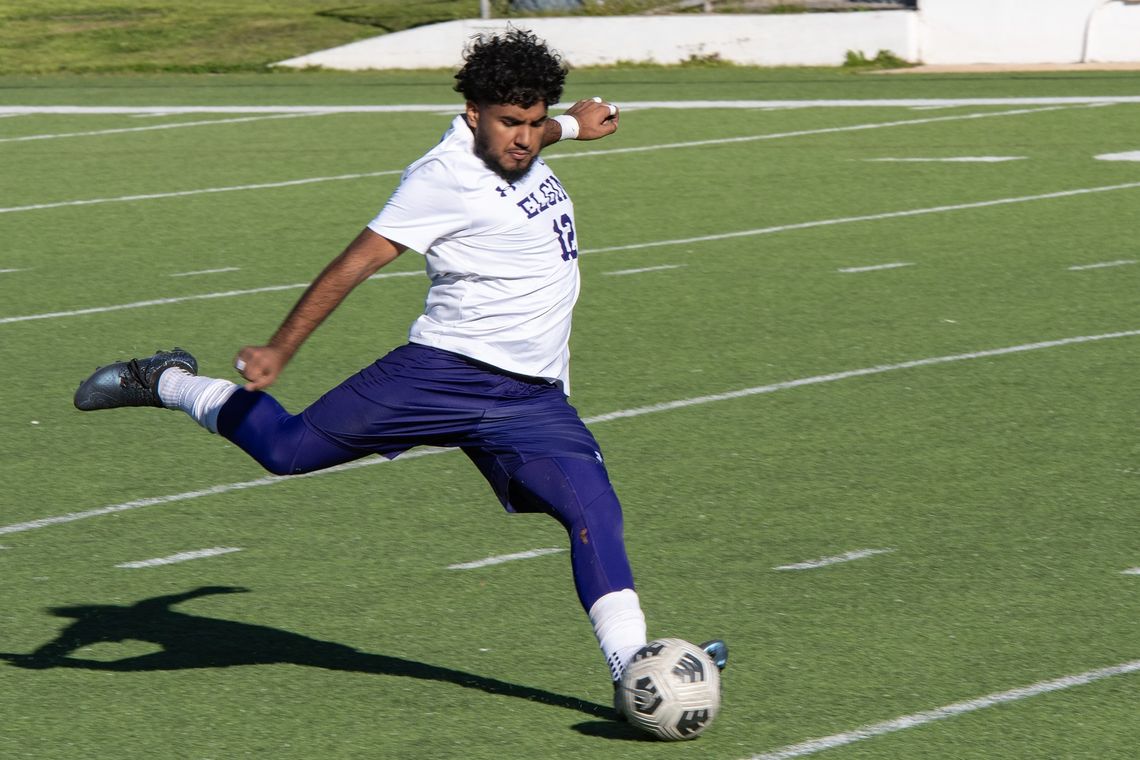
(570, 127)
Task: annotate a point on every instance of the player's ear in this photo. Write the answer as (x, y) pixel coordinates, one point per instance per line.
(472, 114)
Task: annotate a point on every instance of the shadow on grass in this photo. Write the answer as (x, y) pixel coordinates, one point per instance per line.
(190, 641)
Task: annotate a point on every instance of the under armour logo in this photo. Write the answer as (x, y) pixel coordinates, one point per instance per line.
(598, 456)
(503, 190)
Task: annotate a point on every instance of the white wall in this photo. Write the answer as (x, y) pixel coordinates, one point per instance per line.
(940, 32)
(1114, 33)
(1028, 31)
(764, 40)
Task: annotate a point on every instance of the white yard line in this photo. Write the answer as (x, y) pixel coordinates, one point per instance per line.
(205, 271)
(915, 720)
(505, 558)
(865, 372)
(578, 154)
(642, 270)
(17, 110)
(68, 110)
(1102, 265)
(868, 218)
(837, 559)
(952, 160)
(223, 488)
(202, 191)
(1132, 155)
(1131, 571)
(886, 102)
(629, 247)
(621, 414)
(178, 125)
(875, 267)
(183, 299)
(808, 132)
(10, 271)
(180, 557)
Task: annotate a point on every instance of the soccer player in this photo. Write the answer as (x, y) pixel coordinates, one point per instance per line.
(486, 366)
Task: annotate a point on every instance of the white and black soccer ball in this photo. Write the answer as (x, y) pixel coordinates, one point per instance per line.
(671, 689)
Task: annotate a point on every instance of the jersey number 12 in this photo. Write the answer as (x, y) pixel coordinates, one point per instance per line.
(564, 229)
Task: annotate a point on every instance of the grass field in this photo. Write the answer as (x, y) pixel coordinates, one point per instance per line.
(804, 333)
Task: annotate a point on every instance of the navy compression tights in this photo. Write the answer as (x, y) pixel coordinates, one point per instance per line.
(575, 491)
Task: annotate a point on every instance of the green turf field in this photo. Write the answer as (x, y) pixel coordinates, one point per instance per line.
(790, 347)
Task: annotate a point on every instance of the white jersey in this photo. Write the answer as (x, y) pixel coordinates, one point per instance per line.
(502, 257)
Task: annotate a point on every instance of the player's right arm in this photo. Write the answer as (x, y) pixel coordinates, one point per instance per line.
(260, 365)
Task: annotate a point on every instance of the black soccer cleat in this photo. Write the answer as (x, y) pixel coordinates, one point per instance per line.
(131, 383)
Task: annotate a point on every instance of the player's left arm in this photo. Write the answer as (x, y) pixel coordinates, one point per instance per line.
(261, 365)
(596, 118)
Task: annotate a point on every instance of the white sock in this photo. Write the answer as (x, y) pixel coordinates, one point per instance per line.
(619, 625)
(200, 397)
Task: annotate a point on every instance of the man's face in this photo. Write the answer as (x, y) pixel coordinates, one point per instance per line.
(507, 137)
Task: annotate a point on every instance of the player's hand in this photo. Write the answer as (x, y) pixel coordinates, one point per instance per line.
(596, 118)
(260, 365)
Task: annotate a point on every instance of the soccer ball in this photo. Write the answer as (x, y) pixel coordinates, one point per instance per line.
(670, 689)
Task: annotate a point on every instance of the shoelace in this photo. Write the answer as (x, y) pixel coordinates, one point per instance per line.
(136, 370)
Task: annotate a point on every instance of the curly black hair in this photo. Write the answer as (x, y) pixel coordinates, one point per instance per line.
(514, 68)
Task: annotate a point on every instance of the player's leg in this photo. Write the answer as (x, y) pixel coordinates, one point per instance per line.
(412, 396)
(538, 456)
(256, 422)
(279, 441)
(578, 493)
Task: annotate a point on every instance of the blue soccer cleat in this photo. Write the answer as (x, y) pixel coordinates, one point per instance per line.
(131, 383)
(717, 650)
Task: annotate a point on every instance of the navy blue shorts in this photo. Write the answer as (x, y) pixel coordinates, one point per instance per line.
(520, 432)
(423, 396)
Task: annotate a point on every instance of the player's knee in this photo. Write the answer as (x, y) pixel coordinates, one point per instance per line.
(278, 441)
(276, 465)
(281, 454)
(563, 487)
(602, 518)
(296, 455)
